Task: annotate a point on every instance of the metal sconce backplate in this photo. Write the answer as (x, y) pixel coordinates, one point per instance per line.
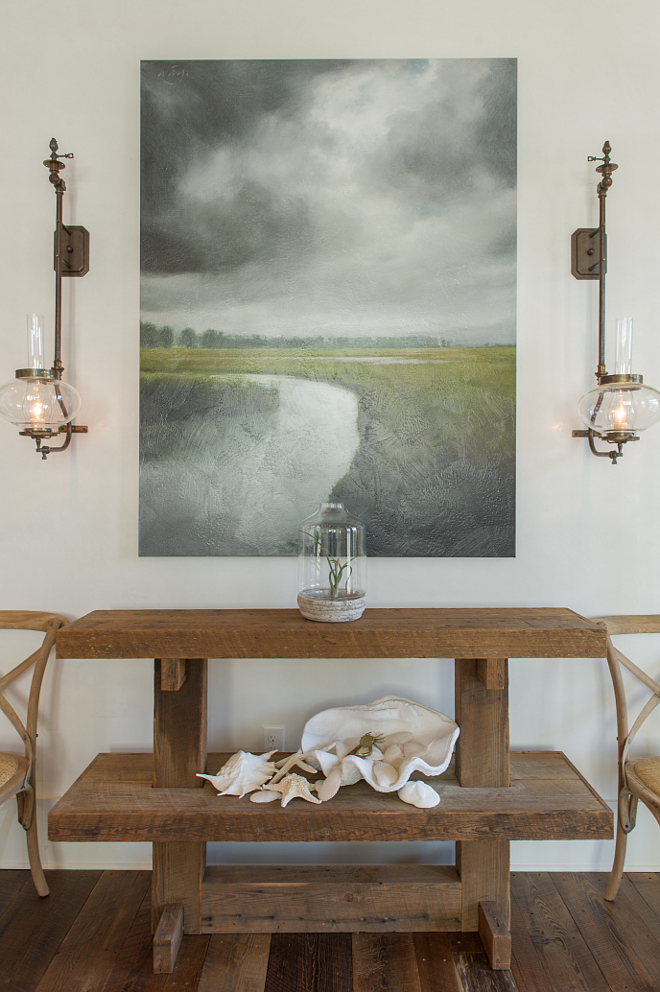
(75, 251)
(585, 252)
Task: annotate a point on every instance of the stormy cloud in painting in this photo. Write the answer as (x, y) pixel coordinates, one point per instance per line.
(328, 303)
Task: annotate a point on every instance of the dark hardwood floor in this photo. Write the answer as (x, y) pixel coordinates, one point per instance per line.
(92, 934)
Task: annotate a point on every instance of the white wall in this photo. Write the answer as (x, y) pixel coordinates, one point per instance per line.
(587, 535)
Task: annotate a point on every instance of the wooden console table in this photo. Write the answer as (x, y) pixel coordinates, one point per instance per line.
(488, 796)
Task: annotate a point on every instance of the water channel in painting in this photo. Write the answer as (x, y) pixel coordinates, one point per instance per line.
(236, 449)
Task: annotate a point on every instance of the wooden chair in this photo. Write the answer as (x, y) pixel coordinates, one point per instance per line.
(639, 778)
(17, 772)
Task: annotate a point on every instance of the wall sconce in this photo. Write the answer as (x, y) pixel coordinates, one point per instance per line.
(620, 405)
(38, 401)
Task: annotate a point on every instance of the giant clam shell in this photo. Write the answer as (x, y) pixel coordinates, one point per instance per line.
(412, 726)
(243, 773)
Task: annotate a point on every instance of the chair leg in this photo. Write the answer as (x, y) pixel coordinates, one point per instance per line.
(617, 867)
(625, 821)
(28, 806)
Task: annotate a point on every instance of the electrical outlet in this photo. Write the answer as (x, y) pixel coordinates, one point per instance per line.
(273, 738)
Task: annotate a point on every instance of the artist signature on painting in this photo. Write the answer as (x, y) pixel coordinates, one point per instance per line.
(173, 73)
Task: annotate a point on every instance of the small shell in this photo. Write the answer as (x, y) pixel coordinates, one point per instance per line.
(341, 749)
(329, 787)
(402, 737)
(384, 774)
(393, 753)
(243, 773)
(263, 797)
(419, 794)
(413, 748)
(293, 786)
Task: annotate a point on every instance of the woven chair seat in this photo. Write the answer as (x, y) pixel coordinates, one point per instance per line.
(647, 771)
(9, 765)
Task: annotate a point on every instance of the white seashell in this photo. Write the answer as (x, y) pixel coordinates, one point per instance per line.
(412, 749)
(293, 786)
(419, 794)
(325, 761)
(243, 773)
(401, 738)
(376, 754)
(263, 797)
(384, 774)
(329, 787)
(341, 749)
(425, 736)
(393, 753)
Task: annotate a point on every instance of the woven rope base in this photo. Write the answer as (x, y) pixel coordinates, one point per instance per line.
(8, 766)
(331, 610)
(648, 771)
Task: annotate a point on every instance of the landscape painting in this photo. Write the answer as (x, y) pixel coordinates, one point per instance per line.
(328, 300)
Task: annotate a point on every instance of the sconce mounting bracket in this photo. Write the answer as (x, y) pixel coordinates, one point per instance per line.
(75, 251)
(585, 252)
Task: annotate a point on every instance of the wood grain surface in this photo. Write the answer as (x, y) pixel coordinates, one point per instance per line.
(88, 943)
(562, 950)
(32, 934)
(601, 927)
(113, 800)
(167, 939)
(178, 869)
(385, 963)
(180, 728)
(331, 898)
(236, 963)
(97, 934)
(419, 633)
(314, 962)
(482, 749)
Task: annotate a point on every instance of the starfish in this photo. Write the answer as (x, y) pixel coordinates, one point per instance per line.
(287, 764)
(293, 786)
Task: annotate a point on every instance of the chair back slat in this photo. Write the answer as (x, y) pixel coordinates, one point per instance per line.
(643, 623)
(17, 723)
(645, 712)
(637, 672)
(28, 620)
(15, 673)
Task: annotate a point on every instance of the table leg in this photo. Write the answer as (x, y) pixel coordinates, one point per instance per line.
(482, 750)
(180, 728)
(179, 753)
(482, 761)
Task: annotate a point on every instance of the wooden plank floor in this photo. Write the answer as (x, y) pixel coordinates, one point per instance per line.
(92, 934)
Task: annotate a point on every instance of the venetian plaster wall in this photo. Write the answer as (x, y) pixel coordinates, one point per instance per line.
(587, 532)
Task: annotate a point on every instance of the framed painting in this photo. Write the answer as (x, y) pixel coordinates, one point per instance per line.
(328, 298)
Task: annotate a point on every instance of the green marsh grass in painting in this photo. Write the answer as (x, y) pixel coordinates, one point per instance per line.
(419, 443)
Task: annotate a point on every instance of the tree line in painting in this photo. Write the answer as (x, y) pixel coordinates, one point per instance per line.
(154, 336)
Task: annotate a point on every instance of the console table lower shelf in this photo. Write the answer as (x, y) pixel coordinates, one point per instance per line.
(548, 799)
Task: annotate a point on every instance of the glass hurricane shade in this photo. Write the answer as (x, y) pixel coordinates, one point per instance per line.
(37, 401)
(620, 407)
(332, 560)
